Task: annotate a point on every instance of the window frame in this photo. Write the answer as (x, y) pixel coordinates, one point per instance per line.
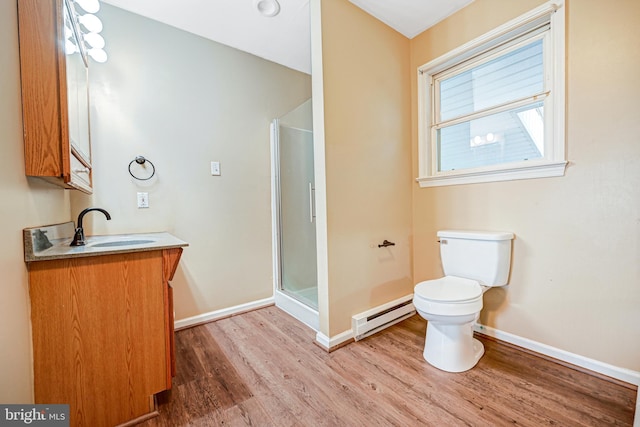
(554, 162)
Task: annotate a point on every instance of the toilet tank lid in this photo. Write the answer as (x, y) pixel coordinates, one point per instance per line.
(476, 235)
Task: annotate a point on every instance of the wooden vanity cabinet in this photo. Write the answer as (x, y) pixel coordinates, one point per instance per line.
(55, 94)
(102, 329)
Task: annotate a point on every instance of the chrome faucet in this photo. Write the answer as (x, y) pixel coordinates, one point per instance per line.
(78, 238)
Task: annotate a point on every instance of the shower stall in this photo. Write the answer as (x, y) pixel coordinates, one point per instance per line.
(294, 224)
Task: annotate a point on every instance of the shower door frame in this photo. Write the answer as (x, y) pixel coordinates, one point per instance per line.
(304, 313)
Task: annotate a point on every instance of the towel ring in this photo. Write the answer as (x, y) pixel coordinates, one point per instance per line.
(141, 161)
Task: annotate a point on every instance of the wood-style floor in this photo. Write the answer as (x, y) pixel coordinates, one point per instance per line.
(262, 369)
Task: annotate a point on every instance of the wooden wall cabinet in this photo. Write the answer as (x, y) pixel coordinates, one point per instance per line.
(55, 94)
(102, 330)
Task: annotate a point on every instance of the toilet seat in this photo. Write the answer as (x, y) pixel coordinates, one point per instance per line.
(448, 296)
(449, 289)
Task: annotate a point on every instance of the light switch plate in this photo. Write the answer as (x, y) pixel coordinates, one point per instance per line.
(143, 200)
(215, 168)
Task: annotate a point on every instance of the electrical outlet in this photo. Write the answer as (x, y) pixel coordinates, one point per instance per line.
(215, 168)
(143, 200)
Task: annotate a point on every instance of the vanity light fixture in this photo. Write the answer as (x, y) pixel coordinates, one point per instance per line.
(268, 8)
(90, 27)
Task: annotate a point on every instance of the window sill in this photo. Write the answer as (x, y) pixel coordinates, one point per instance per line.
(539, 170)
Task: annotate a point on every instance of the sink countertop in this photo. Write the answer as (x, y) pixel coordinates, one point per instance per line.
(52, 242)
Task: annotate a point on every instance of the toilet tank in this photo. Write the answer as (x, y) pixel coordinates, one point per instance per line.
(480, 255)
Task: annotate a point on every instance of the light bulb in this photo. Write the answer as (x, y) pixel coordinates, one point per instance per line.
(490, 137)
(68, 32)
(69, 47)
(94, 40)
(90, 6)
(91, 23)
(98, 55)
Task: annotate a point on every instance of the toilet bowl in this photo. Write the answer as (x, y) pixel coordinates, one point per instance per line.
(451, 305)
(473, 263)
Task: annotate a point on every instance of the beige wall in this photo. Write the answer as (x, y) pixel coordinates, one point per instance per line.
(25, 203)
(183, 101)
(367, 143)
(575, 272)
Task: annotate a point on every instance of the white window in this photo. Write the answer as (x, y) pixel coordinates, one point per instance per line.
(493, 109)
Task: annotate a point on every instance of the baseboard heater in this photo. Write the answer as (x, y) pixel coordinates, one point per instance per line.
(383, 316)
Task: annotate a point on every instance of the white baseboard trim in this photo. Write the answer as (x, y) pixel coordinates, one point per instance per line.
(335, 341)
(221, 314)
(622, 374)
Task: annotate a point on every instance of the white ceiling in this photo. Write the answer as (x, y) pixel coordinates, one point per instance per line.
(410, 17)
(285, 38)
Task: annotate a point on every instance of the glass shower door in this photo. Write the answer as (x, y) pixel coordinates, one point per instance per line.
(297, 225)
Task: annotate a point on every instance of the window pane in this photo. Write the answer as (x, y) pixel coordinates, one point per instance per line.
(510, 136)
(514, 75)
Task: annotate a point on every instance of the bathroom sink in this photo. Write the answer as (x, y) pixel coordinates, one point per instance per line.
(121, 243)
(60, 235)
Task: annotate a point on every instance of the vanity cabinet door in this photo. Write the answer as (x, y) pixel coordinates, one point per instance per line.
(55, 95)
(99, 331)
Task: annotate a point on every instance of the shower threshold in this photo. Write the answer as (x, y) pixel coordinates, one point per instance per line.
(297, 309)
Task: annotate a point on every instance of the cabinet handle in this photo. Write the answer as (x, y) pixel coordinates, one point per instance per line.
(82, 170)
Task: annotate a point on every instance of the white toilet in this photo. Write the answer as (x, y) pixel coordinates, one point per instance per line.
(473, 262)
